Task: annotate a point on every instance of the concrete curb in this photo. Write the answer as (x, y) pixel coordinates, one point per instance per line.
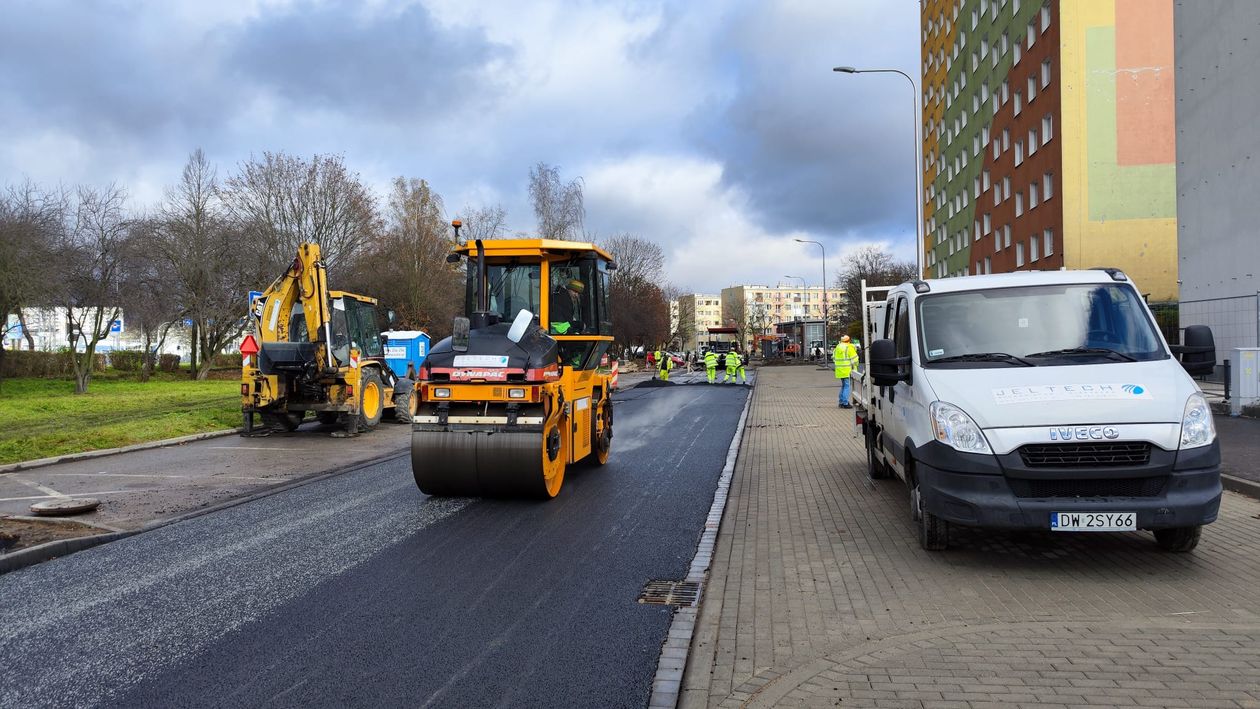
(51, 550)
(70, 457)
(1241, 486)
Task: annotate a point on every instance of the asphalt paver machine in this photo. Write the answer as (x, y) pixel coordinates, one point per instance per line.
(516, 394)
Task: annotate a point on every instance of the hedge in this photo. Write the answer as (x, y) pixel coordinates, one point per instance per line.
(168, 363)
(126, 360)
(25, 363)
(226, 361)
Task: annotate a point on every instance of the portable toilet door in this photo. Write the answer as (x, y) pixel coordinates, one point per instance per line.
(405, 347)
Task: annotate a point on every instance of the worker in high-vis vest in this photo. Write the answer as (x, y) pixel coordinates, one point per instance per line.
(666, 363)
(845, 358)
(732, 365)
(710, 366)
(739, 368)
(656, 362)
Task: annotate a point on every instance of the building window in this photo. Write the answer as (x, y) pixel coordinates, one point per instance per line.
(1032, 195)
(984, 48)
(1047, 128)
(1032, 34)
(1019, 152)
(975, 232)
(1016, 54)
(1019, 254)
(1019, 204)
(1032, 247)
(1047, 185)
(1045, 73)
(1006, 236)
(988, 264)
(1019, 102)
(1045, 17)
(1006, 92)
(1032, 141)
(1006, 139)
(1006, 188)
(1032, 88)
(975, 187)
(988, 222)
(997, 148)
(984, 177)
(997, 196)
(1047, 240)
(1006, 42)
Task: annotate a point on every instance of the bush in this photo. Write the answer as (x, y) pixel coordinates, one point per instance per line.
(126, 360)
(168, 363)
(24, 363)
(226, 361)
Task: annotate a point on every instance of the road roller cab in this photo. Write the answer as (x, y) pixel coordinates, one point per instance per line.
(516, 395)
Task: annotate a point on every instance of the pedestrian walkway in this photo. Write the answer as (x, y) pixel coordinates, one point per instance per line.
(819, 594)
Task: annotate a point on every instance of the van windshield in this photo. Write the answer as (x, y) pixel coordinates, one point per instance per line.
(1040, 325)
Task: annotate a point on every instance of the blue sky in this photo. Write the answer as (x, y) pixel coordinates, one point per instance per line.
(713, 127)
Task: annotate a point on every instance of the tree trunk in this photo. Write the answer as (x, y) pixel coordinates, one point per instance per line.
(193, 338)
(207, 360)
(146, 356)
(26, 331)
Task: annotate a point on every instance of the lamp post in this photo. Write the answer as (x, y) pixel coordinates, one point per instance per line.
(824, 279)
(918, 171)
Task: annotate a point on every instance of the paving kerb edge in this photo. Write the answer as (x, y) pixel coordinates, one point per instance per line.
(666, 688)
(1242, 486)
(86, 455)
(63, 547)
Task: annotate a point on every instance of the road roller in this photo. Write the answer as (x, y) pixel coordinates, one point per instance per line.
(516, 394)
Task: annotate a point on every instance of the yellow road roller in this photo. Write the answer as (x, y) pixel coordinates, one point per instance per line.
(516, 394)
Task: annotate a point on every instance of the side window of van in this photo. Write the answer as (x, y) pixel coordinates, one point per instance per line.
(901, 335)
(890, 317)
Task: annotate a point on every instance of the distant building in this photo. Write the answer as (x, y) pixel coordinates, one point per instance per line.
(692, 315)
(49, 328)
(1048, 136)
(759, 307)
(1218, 173)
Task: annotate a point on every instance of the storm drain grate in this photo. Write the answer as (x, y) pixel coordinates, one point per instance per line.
(670, 593)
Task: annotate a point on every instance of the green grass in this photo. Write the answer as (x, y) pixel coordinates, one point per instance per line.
(44, 417)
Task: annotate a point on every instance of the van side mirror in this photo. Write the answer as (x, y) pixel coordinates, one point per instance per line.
(886, 367)
(1198, 354)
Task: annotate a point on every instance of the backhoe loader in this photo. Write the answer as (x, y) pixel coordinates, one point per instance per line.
(516, 394)
(313, 349)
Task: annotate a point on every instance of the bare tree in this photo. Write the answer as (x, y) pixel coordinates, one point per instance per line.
(31, 221)
(558, 205)
(283, 200)
(405, 266)
(88, 274)
(879, 268)
(635, 257)
(149, 288)
(483, 222)
(212, 266)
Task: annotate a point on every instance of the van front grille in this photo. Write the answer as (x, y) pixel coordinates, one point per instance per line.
(1105, 487)
(1085, 455)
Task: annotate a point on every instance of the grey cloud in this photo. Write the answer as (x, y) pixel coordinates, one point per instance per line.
(386, 64)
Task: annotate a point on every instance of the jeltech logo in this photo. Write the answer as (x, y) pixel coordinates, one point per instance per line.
(1133, 389)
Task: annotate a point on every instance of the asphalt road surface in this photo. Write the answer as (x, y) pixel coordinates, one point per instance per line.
(359, 590)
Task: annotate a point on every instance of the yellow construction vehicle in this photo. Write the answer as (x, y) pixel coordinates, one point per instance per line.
(309, 348)
(516, 394)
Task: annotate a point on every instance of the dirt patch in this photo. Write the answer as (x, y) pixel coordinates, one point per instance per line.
(18, 534)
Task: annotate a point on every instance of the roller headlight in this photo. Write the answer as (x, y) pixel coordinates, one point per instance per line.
(953, 427)
(441, 393)
(1197, 429)
(516, 393)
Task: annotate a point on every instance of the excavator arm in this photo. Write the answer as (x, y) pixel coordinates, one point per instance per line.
(305, 283)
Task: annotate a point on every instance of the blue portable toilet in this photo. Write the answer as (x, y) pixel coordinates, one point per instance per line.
(404, 347)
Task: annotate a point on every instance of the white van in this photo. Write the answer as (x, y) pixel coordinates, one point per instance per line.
(1037, 400)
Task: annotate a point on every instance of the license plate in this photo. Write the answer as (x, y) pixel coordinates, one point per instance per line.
(1093, 521)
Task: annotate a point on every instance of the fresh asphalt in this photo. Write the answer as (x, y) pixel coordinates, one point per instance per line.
(359, 590)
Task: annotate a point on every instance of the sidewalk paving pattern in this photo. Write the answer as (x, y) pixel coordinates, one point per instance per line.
(819, 594)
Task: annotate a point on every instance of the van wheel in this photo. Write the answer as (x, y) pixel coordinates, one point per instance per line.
(1178, 539)
(875, 469)
(933, 531)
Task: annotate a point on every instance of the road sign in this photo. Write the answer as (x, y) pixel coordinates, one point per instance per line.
(116, 327)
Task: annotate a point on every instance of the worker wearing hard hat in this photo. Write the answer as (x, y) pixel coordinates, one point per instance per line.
(710, 366)
(732, 364)
(566, 308)
(845, 359)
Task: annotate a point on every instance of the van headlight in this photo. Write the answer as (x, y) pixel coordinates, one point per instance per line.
(953, 427)
(1197, 429)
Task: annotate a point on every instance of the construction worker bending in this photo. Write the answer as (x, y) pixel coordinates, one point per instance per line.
(845, 358)
(710, 366)
(666, 363)
(740, 362)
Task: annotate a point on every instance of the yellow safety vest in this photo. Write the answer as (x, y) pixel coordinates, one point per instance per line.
(845, 356)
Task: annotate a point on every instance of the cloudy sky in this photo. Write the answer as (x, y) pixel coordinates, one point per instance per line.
(713, 127)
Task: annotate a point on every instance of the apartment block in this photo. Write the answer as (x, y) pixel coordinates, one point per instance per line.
(1048, 138)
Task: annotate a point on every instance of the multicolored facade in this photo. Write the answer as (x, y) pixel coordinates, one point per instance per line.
(1049, 138)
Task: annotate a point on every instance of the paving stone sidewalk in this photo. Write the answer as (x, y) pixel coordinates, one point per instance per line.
(819, 594)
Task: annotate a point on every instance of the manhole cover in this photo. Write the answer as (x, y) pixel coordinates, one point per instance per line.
(670, 593)
(64, 506)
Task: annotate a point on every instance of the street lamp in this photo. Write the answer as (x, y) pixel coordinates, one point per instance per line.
(918, 172)
(824, 280)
